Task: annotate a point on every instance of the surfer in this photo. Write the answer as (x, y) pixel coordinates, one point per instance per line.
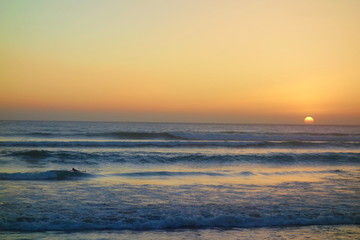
(75, 170)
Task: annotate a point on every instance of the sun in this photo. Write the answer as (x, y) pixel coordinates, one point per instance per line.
(309, 120)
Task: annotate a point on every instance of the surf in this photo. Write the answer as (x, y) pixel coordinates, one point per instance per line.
(47, 175)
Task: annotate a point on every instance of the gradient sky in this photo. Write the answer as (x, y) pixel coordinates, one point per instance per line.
(274, 61)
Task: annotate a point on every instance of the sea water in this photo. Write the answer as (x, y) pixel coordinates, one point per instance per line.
(178, 181)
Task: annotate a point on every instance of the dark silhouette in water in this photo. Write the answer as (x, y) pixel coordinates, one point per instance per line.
(75, 170)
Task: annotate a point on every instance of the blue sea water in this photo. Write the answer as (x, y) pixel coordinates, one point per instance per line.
(178, 181)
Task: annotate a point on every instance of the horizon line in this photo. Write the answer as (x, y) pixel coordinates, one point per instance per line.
(170, 122)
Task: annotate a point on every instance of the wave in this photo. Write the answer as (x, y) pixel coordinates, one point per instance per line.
(230, 136)
(100, 157)
(48, 175)
(111, 135)
(69, 175)
(140, 135)
(220, 135)
(272, 158)
(50, 154)
(31, 154)
(336, 171)
(180, 221)
(168, 174)
(194, 144)
(246, 136)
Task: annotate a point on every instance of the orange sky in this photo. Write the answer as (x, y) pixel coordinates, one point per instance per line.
(194, 61)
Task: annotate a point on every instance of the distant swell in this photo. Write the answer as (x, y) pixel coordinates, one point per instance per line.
(111, 135)
(141, 135)
(181, 143)
(101, 157)
(48, 175)
(31, 154)
(229, 136)
(168, 174)
(69, 175)
(224, 135)
(161, 174)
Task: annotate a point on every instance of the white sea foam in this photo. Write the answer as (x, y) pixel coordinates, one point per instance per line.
(173, 222)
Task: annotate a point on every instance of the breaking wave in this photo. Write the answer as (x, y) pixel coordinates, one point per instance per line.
(120, 156)
(48, 175)
(69, 175)
(180, 221)
(222, 135)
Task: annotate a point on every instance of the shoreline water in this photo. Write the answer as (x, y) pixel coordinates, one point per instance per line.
(318, 232)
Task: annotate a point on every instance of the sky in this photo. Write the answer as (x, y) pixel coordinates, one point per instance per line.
(230, 61)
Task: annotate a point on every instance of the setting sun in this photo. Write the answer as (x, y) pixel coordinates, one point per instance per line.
(309, 120)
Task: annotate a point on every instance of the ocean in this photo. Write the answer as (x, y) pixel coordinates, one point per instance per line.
(178, 181)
